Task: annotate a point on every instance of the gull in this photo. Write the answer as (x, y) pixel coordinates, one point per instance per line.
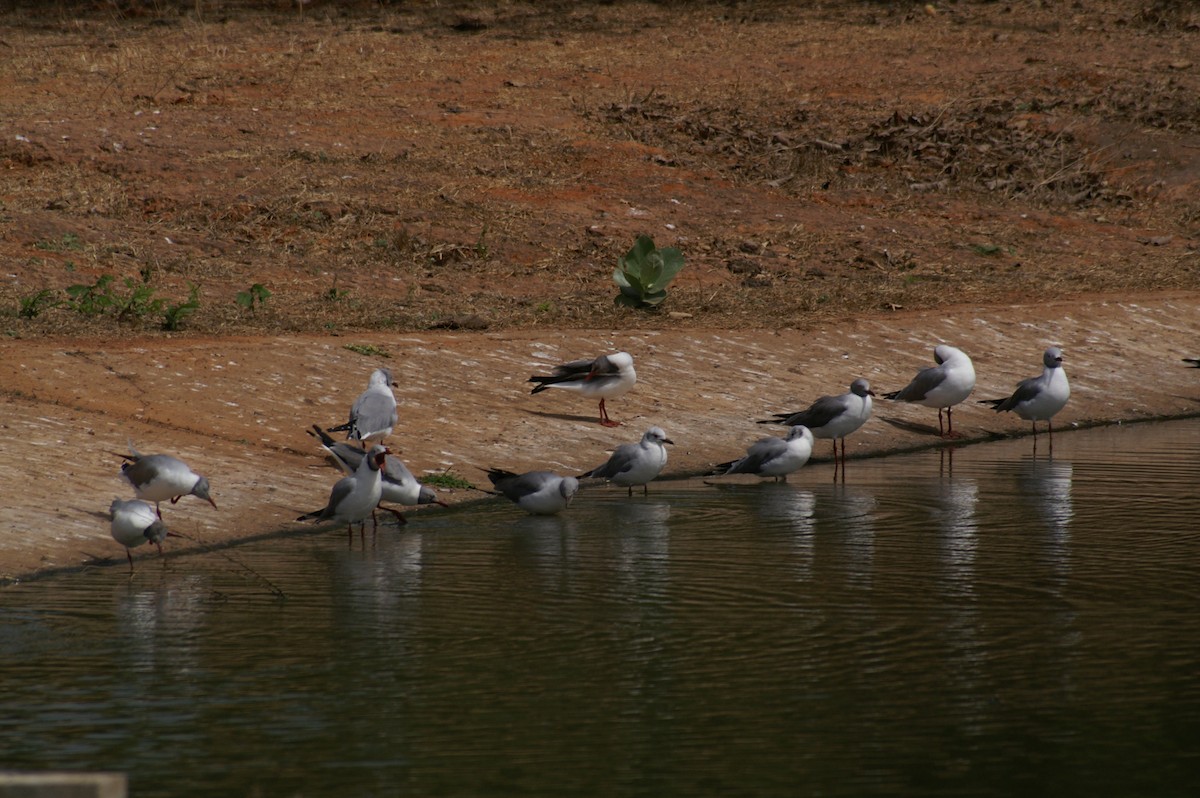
(373, 414)
(773, 457)
(355, 496)
(941, 386)
(399, 486)
(538, 492)
(1039, 398)
(158, 477)
(833, 417)
(635, 463)
(606, 377)
(135, 522)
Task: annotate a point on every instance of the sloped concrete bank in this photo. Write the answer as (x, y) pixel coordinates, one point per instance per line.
(237, 409)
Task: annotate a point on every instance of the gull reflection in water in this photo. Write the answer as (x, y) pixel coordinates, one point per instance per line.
(644, 546)
(385, 584)
(845, 518)
(160, 622)
(1047, 483)
(953, 513)
(545, 540)
(797, 508)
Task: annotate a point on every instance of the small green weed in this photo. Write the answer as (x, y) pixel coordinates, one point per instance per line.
(33, 304)
(69, 242)
(446, 479)
(367, 349)
(335, 294)
(140, 302)
(254, 297)
(175, 314)
(94, 299)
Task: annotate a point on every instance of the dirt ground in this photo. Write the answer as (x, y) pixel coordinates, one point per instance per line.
(203, 204)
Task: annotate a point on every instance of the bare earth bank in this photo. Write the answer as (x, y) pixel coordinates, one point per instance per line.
(236, 409)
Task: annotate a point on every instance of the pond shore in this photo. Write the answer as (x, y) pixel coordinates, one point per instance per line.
(237, 409)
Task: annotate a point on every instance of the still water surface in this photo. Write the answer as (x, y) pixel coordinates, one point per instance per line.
(997, 623)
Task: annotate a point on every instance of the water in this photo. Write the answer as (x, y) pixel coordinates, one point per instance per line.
(993, 623)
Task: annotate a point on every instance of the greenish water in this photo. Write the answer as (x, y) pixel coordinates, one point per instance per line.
(988, 624)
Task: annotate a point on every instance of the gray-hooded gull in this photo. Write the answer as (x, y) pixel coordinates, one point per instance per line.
(833, 417)
(773, 457)
(604, 377)
(942, 386)
(1039, 398)
(355, 496)
(635, 463)
(159, 477)
(373, 415)
(536, 492)
(135, 522)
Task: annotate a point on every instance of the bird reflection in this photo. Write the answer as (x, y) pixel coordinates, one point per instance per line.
(643, 553)
(953, 513)
(845, 517)
(1048, 484)
(649, 514)
(796, 507)
(160, 622)
(547, 539)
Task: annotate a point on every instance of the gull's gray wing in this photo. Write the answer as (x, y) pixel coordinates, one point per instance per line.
(758, 455)
(1026, 390)
(822, 411)
(925, 381)
(621, 460)
(372, 412)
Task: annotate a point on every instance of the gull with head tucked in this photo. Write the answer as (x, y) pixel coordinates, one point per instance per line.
(604, 377)
(942, 386)
(773, 457)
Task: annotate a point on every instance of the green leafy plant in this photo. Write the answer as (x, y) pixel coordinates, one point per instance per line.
(139, 303)
(33, 304)
(644, 272)
(174, 315)
(255, 296)
(94, 299)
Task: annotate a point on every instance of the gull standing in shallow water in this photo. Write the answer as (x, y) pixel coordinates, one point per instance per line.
(635, 463)
(158, 477)
(1039, 398)
(833, 417)
(537, 492)
(605, 377)
(354, 497)
(773, 457)
(135, 522)
(373, 414)
(399, 486)
(942, 386)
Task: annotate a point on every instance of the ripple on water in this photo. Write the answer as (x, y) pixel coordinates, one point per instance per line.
(931, 615)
